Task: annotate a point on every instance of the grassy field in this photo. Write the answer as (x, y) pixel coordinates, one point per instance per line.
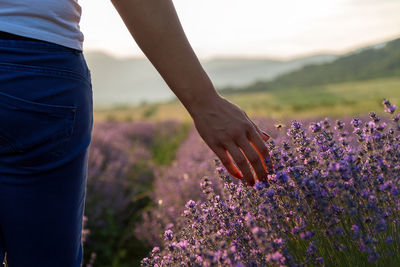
(351, 98)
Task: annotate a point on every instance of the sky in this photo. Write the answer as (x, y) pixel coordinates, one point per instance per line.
(255, 28)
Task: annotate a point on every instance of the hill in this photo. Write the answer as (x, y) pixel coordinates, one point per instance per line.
(378, 61)
(134, 80)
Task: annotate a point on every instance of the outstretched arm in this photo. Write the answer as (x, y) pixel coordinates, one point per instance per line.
(155, 26)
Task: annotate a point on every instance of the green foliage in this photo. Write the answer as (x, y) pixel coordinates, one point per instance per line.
(118, 246)
(369, 63)
(341, 99)
(164, 147)
(150, 111)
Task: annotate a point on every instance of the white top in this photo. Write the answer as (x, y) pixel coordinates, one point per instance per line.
(55, 21)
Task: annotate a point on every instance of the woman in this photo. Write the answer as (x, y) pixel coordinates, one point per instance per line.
(46, 119)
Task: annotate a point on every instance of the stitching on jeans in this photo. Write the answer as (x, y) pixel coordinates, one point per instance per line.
(47, 70)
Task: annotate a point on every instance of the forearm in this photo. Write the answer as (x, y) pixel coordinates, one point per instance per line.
(155, 26)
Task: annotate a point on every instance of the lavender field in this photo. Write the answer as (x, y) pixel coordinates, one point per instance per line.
(158, 196)
(122, 162)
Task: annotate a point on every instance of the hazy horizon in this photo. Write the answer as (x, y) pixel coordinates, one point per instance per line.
(255, 57)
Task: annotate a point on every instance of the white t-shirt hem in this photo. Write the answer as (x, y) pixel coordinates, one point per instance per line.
(45, 36)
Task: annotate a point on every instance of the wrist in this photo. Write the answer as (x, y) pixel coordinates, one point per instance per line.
(203, 101)
(198, 97)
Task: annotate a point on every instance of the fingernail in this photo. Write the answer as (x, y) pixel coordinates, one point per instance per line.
(266, 135)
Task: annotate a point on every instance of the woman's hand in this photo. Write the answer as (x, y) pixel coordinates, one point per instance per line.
(155, 26)
(226, 128)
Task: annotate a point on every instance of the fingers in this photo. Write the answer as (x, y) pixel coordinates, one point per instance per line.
(242, 149)
(227, 161)
(242, 163)
(259, 145)
(254, 156)
(263, 134)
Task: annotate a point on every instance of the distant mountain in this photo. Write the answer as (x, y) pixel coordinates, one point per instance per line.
(378, 61)
(124, 81)
(134, 80)
(241, 71)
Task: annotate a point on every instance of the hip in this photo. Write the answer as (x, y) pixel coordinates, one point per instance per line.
(46, 106)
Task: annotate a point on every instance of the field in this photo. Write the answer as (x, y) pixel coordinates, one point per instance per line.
(158, 195)
(340, 99)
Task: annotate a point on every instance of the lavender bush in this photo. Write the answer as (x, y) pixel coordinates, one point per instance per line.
(122, 159)
(333, 200)
(174, 186)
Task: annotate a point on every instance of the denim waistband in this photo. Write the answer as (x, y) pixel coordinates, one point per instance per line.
(12, 40)
(10, 36)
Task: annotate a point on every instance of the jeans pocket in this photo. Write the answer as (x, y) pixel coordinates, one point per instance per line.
(34, 131)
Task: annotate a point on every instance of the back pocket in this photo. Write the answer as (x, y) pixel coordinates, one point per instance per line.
(34, 131)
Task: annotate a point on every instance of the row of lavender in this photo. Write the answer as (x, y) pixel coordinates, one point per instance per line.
(333, 200)
(122, 162)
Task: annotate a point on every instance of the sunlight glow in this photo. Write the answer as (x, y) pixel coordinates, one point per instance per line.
(253, 28)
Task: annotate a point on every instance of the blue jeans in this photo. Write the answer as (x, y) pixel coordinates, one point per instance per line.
(46, 121)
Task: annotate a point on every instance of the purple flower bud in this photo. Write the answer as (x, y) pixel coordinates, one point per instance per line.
(373, 257)
(394, 191)
(389, 240)
(295, 230)
(389, 108)
(190, 204)
(311, 249)
(282, 177)
(276, 256)
(270, 193)
(168, 235)
(380, 226)
(306, 235)
(356, 122)
(315, 127)
(296, 125)
(338, 231)
(259, 185)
